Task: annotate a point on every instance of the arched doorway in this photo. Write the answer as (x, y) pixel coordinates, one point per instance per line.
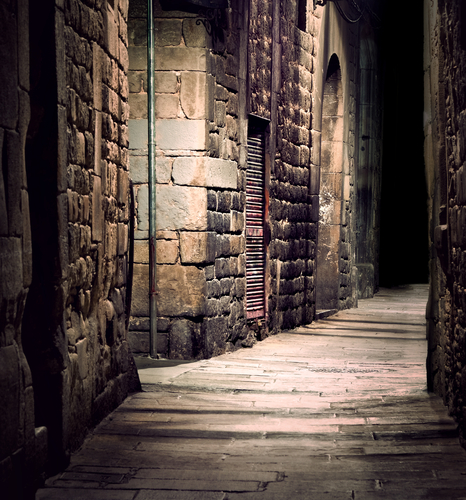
(331, 187)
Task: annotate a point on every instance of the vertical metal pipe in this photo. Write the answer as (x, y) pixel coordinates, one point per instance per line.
(152, 180)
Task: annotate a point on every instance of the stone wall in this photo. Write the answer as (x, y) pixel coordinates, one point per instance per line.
(200, 275)
(445, 153)
(266, 60)
(64, 244)
(293, 228)
(19, 436)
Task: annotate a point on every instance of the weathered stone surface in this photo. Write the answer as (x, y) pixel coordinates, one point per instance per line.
(138, 106)
(194, 96)
(206, 172)
(141, 252)
(138, 166)
(180, 207)
(9, 76)
(181, 291)
(139, 172)
(175, 134)
(168, 32)
(181, 340)
(11, 267)
(140, 299)
(139, 342)
(142, 200)
(83, 358)
(137, 134)
(197, 248)
(10, 428)
(180, 58)
(165, 82)
(167, 252)
(167, 106)
(194, 33)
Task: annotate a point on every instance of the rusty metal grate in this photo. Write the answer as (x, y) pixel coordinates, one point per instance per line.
(255, 245)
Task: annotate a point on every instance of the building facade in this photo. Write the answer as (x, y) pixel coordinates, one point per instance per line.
(268, 138)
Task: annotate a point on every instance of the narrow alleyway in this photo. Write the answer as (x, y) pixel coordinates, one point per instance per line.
(334, 410)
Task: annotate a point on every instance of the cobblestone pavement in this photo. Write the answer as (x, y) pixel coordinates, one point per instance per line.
(335, 410)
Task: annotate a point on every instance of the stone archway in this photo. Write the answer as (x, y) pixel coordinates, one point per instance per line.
(331, 187)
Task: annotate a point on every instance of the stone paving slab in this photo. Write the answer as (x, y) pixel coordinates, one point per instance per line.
(334, 410)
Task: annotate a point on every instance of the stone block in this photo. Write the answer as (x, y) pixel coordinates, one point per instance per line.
(178, 134)
(167, 251)
(316, 148)
(197, 248)
(97, 212)
(111, 33)
(332, 128)
(215, 331)
(122, 186)
(168, 32)
(138, 106)
(167, 235)
(332, 156)
(181, 207)
(140, 324)
(138, 168)
(140, 298)
(220, 114)
(139, 342)
(205, 172)
(122, 239)
(137, 134)
(180, 59)
(181, 291)
(167, 106)
(165, 82)
(26, 240)
(163, 169)
(181, 340)
(137, 82)
(10, 376)
(237, 222)
(331, 185)
(141, 252)
(81, 349)
(193, 94)
(237, 244)
(194, 33)
(14, 180)
(9, 74)
(142, 203)
(346, 187)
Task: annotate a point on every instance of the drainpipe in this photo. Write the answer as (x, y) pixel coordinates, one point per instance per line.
(151, 161)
